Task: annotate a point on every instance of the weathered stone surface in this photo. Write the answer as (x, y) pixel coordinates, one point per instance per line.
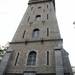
(23, 42)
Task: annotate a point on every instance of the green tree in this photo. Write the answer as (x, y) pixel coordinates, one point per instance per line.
(3, 50)
(73, 69)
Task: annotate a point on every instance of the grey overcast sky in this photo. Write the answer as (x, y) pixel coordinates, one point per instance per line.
(12, 11)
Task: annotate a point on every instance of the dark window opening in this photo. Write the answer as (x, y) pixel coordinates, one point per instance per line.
(47, 57)
(47, 31)
(28, 18)
(17, 58)
(47, 16)
(24, 33)
(47, 6)
(31, 8)
(39, 7)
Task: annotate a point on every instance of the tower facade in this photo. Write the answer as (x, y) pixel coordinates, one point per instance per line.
(36, 48)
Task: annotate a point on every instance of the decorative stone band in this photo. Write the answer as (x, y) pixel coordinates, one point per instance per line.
(59, 61)
(29, 71)
(57, 48)
(9, 51)
(45, 73)
(38, 1)
(10, 73)
(34, 41)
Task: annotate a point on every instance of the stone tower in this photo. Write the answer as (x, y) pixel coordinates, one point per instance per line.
(36, 48)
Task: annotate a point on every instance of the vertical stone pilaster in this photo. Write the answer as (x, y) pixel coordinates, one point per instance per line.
(5, 62)
(58, 61)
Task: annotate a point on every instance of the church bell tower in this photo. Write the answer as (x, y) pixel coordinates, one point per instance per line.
(36, 48)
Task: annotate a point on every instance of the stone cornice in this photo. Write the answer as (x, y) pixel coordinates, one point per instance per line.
(34, 2)
(34, 41)
(41, 1)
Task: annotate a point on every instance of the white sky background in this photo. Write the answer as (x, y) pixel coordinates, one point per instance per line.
(12, 11)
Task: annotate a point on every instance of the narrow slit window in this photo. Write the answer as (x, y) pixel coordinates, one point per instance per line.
(47, 16)
(47, 57)
(17, 57)
(47, 6)
(28, 18)
(24, 33)
(47, 31)
(31, 8)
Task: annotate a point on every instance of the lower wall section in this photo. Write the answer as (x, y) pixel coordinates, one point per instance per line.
(35, 74)
(30, 74)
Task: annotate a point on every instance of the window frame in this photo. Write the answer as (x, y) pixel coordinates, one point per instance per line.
(38, 18)
(35, 33)
(31, 60)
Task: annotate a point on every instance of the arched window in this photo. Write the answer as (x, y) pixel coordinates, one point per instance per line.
(35, 33)
(38, 18)
(31, 58)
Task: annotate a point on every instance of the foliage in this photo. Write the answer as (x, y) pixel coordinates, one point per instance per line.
(73, 69)
(3, 51)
